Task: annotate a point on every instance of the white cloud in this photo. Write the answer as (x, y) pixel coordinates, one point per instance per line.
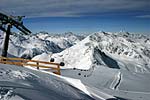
(143, 16)
(70, 7)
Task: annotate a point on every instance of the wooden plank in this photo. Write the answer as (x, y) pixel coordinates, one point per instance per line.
(23, 62)
(40, 66)
(26, 64)
(26, 60)
(11, 63)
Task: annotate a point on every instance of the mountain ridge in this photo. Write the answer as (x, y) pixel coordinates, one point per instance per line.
(28, 46)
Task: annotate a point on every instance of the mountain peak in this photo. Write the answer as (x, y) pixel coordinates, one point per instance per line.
(117, 49)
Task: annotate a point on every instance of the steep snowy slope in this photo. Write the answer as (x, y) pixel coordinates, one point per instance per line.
(109, 50)
(27, 46)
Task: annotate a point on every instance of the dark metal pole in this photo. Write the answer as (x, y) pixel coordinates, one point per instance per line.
(6, 41)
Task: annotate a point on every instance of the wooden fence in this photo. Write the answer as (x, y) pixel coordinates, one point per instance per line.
(50, 66)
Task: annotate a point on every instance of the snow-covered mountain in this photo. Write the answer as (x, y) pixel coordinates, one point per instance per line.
(117, 63)
(28, 46)
(110, 50)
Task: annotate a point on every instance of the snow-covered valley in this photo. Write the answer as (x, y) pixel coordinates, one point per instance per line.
(101, 66)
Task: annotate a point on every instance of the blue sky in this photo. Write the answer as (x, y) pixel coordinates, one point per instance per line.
(89, 24)
(81, 16)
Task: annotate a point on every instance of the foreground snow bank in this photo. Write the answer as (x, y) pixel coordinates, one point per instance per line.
(18, 83)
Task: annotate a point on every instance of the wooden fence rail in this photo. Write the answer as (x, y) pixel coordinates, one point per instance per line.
(53, 67)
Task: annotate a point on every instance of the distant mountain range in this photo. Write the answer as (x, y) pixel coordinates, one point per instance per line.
(28, 46)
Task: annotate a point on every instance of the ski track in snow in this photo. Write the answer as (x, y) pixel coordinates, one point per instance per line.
(116, 82)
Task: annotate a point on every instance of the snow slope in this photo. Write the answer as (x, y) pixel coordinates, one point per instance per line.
(117, 82)
(18, 83)
(110, 50)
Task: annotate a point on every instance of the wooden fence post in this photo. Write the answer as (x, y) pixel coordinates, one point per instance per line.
(37, 65)
(58, 66)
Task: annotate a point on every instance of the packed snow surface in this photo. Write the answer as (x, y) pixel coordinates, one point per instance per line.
(18, 83)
